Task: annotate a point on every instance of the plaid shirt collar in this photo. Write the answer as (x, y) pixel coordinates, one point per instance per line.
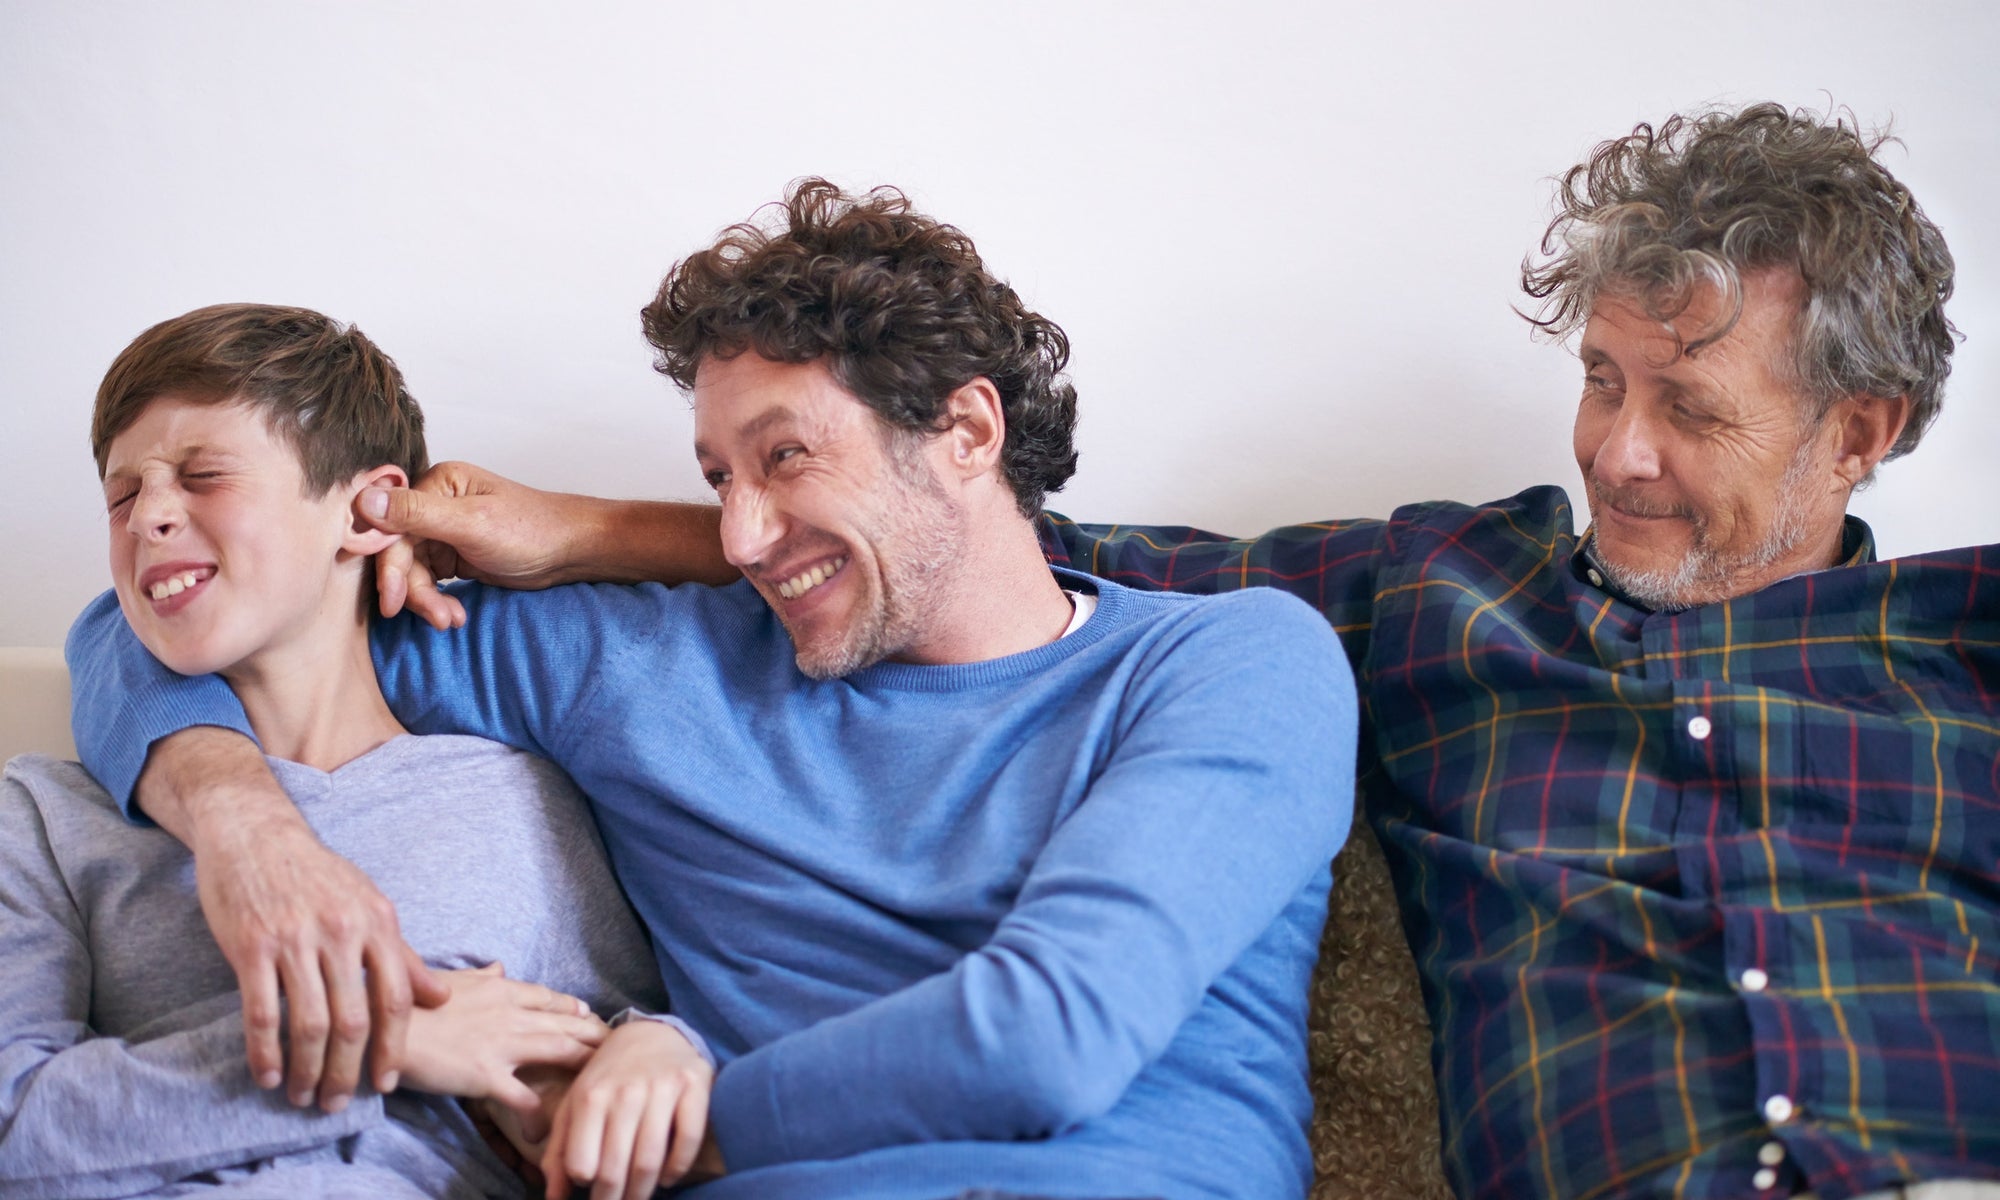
(1857, 548)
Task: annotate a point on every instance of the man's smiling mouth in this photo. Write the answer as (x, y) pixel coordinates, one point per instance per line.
(810, 578)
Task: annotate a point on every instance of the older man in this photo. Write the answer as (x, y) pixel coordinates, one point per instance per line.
(974, 874)
(1695, 816)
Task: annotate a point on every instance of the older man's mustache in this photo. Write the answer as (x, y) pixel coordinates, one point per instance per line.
(1635, 503)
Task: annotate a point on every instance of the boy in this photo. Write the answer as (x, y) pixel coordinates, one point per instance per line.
(231, 442)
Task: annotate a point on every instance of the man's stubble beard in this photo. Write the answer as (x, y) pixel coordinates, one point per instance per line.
(918, 544)
(1703, 576)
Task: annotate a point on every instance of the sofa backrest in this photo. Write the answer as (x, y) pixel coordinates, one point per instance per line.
(34, 702)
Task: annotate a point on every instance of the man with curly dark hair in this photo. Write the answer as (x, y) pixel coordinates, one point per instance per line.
(978, 876)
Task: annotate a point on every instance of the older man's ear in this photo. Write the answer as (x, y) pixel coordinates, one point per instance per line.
(1867, 428)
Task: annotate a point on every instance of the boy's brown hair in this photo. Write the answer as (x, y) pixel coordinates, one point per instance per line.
(322, 387)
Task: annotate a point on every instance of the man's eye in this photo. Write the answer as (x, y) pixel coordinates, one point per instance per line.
(785, 453)
(716, 479)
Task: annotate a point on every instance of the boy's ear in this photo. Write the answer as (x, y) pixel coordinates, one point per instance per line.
(361, 538)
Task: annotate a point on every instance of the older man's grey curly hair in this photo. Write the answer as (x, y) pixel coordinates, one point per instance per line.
(1694, 203)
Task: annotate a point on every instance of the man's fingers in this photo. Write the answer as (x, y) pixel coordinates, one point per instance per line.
(392, 570)
(259, 986)
(305, 993)
(347, 1029)
(397, 510)
(388, 1010)
(423, 598)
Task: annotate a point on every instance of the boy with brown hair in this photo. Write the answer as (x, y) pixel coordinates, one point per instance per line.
(231, 442)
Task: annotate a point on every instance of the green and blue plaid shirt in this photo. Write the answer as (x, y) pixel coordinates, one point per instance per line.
(1705, 903)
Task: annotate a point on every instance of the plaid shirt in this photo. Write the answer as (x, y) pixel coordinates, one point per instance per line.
(1704, 903)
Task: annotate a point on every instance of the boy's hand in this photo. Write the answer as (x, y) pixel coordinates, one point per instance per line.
(635, 1119)
(492, 1027)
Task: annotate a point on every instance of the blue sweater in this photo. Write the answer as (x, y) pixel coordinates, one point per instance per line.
(1043, 923)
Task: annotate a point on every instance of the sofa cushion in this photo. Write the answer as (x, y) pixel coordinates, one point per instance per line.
(1375, 1110)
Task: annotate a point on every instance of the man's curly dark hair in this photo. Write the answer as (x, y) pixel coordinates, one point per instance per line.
(1699, 200)
(897, 304)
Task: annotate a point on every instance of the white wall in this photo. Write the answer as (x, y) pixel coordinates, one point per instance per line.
(1283, 237)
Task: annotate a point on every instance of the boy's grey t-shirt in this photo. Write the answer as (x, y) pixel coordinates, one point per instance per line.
(122, 1062)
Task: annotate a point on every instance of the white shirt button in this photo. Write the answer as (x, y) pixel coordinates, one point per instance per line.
(1771, 1153)
(1596, 578)
(1764, 1179)
(1699, 728)
(1778, 1109)
(1754, 980)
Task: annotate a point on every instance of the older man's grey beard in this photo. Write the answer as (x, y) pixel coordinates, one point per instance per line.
(1704, 575)
(919, 545)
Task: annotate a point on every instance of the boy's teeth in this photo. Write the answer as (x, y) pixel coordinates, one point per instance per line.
(174, 585)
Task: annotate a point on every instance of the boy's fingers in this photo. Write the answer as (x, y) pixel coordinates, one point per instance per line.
(690, 1127)
(649, 1147)
(555, 1151)
(516, 1095)
(614, 1161)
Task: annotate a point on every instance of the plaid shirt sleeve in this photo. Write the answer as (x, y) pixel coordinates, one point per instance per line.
(1706, 903)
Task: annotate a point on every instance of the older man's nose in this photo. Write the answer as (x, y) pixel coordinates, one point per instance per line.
(1630, 451)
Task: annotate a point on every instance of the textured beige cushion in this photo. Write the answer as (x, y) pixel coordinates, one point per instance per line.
(1375, 1109)
(34, 702)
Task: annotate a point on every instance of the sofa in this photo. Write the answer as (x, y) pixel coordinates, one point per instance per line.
(1375, 1121)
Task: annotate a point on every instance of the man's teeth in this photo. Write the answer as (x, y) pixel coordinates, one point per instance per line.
(174, 585)
(805, 581)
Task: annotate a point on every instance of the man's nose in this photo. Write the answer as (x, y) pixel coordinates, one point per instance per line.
(750, 526)
(1630, 453)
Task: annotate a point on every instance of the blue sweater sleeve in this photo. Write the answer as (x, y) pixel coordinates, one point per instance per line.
(1227, 791)
(122, 700)
(514, 674)
(519, 668)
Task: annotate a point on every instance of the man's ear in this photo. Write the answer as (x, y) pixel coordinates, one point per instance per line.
(360, 538)
(1866, 430)
(978, 428)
